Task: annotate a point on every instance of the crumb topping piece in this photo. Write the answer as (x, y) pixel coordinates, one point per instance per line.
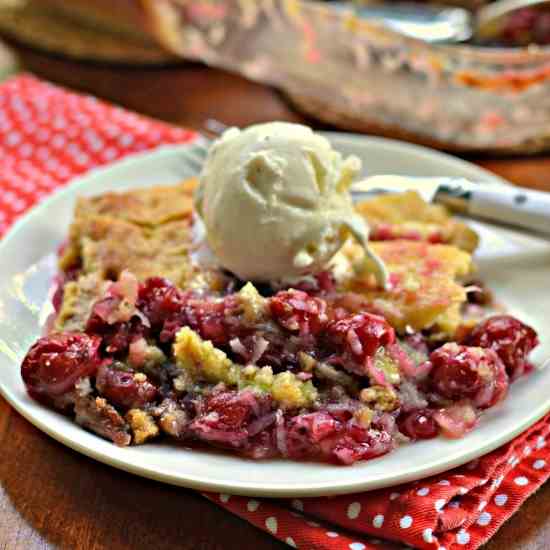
(203, 361)
(97, 415)
(408, 216)
(381, 398)
(425, 289)
(142, 424)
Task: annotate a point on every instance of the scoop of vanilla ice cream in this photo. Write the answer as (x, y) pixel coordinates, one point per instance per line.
(275, 202)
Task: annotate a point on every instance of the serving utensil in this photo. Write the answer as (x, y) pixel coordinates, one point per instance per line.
(440, 24)
(503, 204)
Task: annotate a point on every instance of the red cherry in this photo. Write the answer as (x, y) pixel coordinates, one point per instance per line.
(55, 362)
(511, 339)
(361, 335)
(159, 299)
(460, 372)
(297, 311)
(418, 424)
(125, 389)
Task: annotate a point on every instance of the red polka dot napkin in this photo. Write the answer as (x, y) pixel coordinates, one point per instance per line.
(49, 135)
(460, 509)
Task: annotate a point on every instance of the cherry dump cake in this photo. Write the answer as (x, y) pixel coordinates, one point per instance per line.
(150, 343)
(315, 372)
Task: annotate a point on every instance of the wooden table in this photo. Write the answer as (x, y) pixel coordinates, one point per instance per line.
(51, 496)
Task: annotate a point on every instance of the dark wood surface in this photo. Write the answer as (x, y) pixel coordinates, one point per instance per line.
(52, 497)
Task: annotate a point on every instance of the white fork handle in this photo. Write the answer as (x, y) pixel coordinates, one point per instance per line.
(521, 207)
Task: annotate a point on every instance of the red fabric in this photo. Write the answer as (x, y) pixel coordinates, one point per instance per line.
(48, 136)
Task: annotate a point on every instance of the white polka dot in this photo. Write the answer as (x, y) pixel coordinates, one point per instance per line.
(73, 149)
(423, 492)
(393, 496)
(441, 548)
(43, 135)
(271, 524)
(405, 522)
(527, 451)
(427, 535)
(125, 140)
(540, 442)
(439, 503)
(332, 534)
(500, 500)
(82, 160)
(290, 542)
(12, 139)
(297, 504)
(462, 490)
(59, 123)
(26, 150)
(462, 537)
(539, 464)
(109, 153)
(512, 459)
(484, 519)
(357, 546)
(96, 145)
(482, 505)
(252, 505)
(521, 481)
(378, 521)
(43, 153)
(224, 497)
(354, 509)
(62, 172)
(58, 141)
(444, 482)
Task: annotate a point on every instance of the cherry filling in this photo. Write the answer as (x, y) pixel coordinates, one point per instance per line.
(169, 309)
(331, 341)
(361, 335)
(320, 435)
(56, 362)
(511, 339)
(466, 372)
(297, 311)
(418, 424)
(231, 419)
(127, 390)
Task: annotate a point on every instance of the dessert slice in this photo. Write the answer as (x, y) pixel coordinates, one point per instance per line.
(424, 291)
(78, 299)
(408, 216)
(145, 231)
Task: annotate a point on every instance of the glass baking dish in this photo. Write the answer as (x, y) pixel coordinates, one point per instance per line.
(358, 75)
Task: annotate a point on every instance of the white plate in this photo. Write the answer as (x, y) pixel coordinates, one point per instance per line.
(517, 267)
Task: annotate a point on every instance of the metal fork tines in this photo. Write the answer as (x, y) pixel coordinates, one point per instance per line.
(195, 154)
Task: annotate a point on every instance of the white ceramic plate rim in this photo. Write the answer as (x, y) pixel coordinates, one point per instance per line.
(90, 445)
